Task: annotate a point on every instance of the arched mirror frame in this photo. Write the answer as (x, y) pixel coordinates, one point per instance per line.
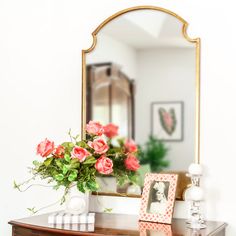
(195, 41)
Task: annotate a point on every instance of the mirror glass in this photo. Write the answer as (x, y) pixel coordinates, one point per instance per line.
(141, 76)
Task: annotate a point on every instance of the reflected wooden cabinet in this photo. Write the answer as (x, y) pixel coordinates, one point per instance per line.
(110, 97)
(113, 224)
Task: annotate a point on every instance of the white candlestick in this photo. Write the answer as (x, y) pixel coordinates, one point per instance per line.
(196, 193)
(187, 194)
(195, 169)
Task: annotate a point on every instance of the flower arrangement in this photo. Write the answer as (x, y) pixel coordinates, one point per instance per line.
(80, 161)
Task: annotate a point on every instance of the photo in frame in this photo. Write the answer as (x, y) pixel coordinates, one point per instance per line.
(167, 120)
(158, 198)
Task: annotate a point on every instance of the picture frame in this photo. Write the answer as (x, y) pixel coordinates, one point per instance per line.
(167, 120)
(158, 198)
(149, 228)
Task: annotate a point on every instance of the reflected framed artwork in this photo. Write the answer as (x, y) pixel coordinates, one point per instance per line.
(167, 120)
(158, 197)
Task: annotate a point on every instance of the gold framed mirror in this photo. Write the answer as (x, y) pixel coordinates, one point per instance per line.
(152, 68)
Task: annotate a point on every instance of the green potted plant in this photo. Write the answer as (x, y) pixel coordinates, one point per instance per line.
(154, 154)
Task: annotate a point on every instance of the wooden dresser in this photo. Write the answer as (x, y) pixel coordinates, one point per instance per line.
(112, 224)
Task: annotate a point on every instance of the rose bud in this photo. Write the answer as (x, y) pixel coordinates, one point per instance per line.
(59, 151)
(104, 165)
(94, 128)
(45, 148)
(79, 153)
(111, 130)
(132, 163)
(130, 146)
(99, 145)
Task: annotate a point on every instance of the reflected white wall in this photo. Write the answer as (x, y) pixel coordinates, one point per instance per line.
(167, 74)
(161, 74)
(109, 49)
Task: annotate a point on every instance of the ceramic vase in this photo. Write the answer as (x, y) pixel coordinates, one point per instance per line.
(77, 202)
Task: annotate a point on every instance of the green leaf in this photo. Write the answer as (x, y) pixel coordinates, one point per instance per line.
(80, 187)
(92, 185)
(90, 160)
(74, 160)
(64, 169)
(59, 177)
(68, 146)
(48, 161)
(74, 163)
(56, 187)
(133, 178)
(121, 141)
(67, 157)
(36, 163)
(59, 163)
(54, 172)
(32, 210)
(15, 185)
(121, 179)
(82, 144)
(71, 145)
(86, 171)
(73, 175)
(74, 171)
(107, 210)
(65, 144)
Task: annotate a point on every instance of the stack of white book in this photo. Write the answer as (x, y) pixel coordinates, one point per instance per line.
(80, 222)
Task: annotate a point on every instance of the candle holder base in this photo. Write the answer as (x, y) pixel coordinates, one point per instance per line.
(196, 226)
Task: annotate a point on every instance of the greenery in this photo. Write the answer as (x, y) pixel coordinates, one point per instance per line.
(77, 162)
(154, 153)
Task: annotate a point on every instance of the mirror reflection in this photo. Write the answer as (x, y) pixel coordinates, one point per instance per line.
(141, 76)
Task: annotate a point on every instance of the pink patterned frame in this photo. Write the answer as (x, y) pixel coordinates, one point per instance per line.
(155, 217)
(144, 227)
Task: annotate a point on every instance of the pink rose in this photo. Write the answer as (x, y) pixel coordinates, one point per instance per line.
(59, 151)
(111, 130)
(131, 162)
(130, 146)
(94, 128)
(79, 153)
(104, 165)
(45, 148)
(99, 145)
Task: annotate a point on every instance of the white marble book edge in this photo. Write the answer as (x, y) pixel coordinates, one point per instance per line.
(67, 218)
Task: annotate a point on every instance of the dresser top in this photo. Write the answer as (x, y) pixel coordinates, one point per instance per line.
(118, 224)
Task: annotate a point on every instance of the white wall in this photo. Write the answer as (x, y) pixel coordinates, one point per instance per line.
(167, 74)
(40, 58)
